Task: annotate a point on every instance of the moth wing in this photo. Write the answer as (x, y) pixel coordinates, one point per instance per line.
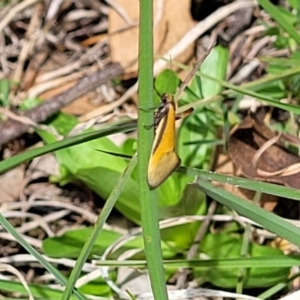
(161, 170)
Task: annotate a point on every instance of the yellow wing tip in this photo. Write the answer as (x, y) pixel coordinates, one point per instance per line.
(158, 173)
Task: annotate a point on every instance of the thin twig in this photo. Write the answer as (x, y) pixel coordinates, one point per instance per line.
(14, 11)
(17, 273)
(12, 129)
(192, 73)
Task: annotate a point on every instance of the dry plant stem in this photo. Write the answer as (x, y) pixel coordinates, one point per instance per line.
(41, 88)
(37, 221)
(120, 11)
(199, 29)
(259, 46)
(29, 42)
(11, 269)
(89, 216)
(24, 259)
(22, 119)
(32, 241)
(245, 72)
(11, 129)
(14, 11)
(69, 68)
(264, 147)
(193, 250)
(3, 58)
(53, 9)
(43, 222)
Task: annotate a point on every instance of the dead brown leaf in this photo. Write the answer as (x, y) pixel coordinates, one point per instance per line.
(224, 165)
(173, 21)
(274, 164)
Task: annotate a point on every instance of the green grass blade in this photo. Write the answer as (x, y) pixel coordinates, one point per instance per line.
(266, 219)
(246, 89)
(268, 188)
(232, 263)
(241, 90)
(278, 287)
(112, 199)
(59, 277)
(148, 199)
(38, 291)
(277, 15)
(82, 138)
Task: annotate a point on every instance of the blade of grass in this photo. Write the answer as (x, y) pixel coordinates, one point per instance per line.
(258, 83)
(242, 273)
(59, 277)
(266, 219)
(148, 199)
(82, 138)
(268, 188)
(276, 288)
(38, 291)
(232, 263)
(277, 15)
(85, 252)
(246, 89)
(239, 89)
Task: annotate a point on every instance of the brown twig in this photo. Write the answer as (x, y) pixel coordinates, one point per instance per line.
(12, 129)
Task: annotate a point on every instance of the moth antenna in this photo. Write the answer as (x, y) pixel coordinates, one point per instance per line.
(193, 71)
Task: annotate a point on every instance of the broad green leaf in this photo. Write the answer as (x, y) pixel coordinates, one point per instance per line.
(197, 127)
(217, 246)
(274, 89)
(97, 287)
(202, 124)
(215, 65)
(14, 161)
(191, 203)
(166, 82)
(100, 171)
(102, 180)
(70, 243)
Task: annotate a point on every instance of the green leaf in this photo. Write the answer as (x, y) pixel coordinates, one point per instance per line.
(294, 3)
(29, 103)
(71, 242)
(166, 82)
(198, 126)
(215, 65)
(97, 287)
(82, 138)
(266, 219)
(217, 246)
(192, 203)
(102, 180)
